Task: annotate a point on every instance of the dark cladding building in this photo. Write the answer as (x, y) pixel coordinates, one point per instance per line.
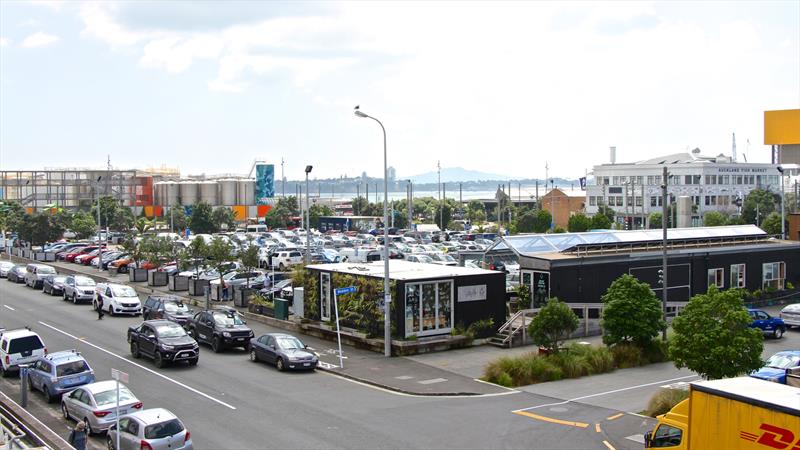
(579, 267)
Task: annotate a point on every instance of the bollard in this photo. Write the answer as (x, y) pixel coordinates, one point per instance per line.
(23, 375)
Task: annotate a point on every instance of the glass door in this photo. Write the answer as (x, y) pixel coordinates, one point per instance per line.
(428, 308)
(325, 295)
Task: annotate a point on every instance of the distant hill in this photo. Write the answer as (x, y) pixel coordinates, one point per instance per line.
(454, 174)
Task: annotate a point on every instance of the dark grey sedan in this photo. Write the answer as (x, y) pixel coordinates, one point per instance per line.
(283, 350)
(16, 274)
(54, 284)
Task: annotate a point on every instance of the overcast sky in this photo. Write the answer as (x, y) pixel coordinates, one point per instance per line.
(500, 87)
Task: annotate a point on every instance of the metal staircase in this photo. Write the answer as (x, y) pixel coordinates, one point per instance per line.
(514, 329)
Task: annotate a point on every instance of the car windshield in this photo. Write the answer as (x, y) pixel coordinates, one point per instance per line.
(124, 291)
(170, 331)
(163, 429)
(176, 308)
(229, 275)
(71, 368)
(46, 270)
(25, 344)
(108, 397)
(59, 279)
(779, 361)
(83, 281)
(289, 343)
(226, 320)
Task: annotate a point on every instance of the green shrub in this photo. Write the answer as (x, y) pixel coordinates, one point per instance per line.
(626, 355)
(598, 359)
(505, 380)
(571, 365)
(655, 351)
(664, 400)
(481, 328)
(789, 285)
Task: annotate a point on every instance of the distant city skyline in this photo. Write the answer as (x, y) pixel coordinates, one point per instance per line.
(499, 88)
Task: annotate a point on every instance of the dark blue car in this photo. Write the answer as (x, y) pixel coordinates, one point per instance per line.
(778, 365)
(772, 326)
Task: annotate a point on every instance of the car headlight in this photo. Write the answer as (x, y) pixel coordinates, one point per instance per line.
(226, 334)
(167, 347)
(252, 334)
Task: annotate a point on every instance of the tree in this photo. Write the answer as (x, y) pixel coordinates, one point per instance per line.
(196, 252)
(224, 219)
(122, 219)
(713, 338)
(555, 322)
(772, 224)
(606, 211)
(220, 251)
(714, 219)
(202, 220)
(758, 204)
(157, 250)
(315, 212)
(83, 225)
(112, 214)
(632, 313)
(39, 229)
(248, 256)
(600, 222)
(476, 212)
(178, 218)
(11, 216)
(655, 221)
(578, 223)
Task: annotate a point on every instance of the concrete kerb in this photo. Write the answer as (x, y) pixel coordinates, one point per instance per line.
(394, 389)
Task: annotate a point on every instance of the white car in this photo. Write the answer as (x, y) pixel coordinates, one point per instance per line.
(17, 347)
(117, 299)
(791, 315)
(5, 266)
(285, 259)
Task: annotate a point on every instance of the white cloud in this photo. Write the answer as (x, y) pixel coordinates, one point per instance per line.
(4, 42)
(39, 39)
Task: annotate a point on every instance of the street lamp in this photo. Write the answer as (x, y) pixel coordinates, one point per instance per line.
(783, 206)
(664, 180)
(387, 294)
(308, 219)
(99, 228)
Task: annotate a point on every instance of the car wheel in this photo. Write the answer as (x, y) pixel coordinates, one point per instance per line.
(64, 411)
(135, 350)
(158, 360)
(109, 443)
(778, 333)
(74, 298)
(64, 296)
(30, 384)
(253, 356)
(279, 364)
(48, 397)
(89, 430)
(110, 310)
(193, 362)
(216, 345)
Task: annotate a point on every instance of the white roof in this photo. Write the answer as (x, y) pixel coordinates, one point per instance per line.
(759, 390)
(403, 270)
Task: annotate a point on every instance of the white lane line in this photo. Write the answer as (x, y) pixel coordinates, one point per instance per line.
(600, 394)
(203, 394)
(8, 307)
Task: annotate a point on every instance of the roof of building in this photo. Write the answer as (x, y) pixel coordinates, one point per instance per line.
(577, 193)
(402, 270)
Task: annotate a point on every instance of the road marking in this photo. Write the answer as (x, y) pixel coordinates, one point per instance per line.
(615, 416)
(551, 420)
(610, 447)
(327, 365)
(597, 428)
(403, 377)
(600, 394)
(638, 438)
(432, 381)
(185, 386)
(8, 307)
(495, 385)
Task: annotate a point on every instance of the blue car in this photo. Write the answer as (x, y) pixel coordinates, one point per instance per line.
(772, 326)
(59, 372)
(778, 365)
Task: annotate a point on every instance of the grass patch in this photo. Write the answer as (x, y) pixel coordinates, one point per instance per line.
(664, 400)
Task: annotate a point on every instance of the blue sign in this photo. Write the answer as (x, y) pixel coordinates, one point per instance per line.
(265, 183)
(345, 290)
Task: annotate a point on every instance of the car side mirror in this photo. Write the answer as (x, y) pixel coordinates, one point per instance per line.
(648, 439)
(272, 346)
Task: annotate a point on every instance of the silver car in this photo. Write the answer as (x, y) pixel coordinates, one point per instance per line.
(95, 404)
(791, 315)
(79, 289)
(156, 429)
(5, 266)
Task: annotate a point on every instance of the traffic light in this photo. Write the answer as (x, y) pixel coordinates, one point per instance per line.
(661, 276)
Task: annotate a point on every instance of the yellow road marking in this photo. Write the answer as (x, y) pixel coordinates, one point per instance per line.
(597, 428)
(615, 416)
(610, 447)
(551, 420)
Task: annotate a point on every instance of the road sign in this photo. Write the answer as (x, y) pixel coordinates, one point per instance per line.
(345, 290)
(119, 375)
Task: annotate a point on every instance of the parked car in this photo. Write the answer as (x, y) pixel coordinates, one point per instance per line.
(283, 350)
(117, 299)
(419, 258)
(5, 266)
(285, 259)
(114, 257)
(790, 314)
(16, 274)
(35, 273)
(240, 279)
(21, 346)
(773, 326)
(87, 258)
(78, 251)
(168, 308)
(277, 290)
(79, 288)
(443, 259)
(59, 372)
(164, 341)
(156, 429)
(778, 365)
(54, 284)
(95, 404)
(107, 257)
(221, 328)
(69, 250)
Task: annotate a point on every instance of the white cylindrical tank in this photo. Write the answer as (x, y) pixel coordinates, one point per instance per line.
(188, 190)
(247, 192)
(208, 192)
(159, 193)
(684, 212)
(171, 194)
(227, 192)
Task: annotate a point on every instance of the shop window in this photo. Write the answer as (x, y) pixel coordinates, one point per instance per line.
(429, 307)
(716, 277)
(737, 276)
(773, 275)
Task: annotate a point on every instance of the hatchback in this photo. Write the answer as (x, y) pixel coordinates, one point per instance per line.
(54, 284)
(152, 429)
(59, 372)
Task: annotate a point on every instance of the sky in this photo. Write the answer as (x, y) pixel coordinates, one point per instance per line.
(210, 87)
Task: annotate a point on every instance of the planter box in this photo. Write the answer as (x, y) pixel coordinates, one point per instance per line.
(178, 283)
(241, 297)
(137, 275)
(197, 287)
(156, 278)
(40, 256)
(217, 293)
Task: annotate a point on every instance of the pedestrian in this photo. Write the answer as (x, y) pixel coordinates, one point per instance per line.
(77, 437)
(99, 307)
(224, 291)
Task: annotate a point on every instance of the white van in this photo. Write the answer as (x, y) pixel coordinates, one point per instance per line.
(360, 254)
(260, 228)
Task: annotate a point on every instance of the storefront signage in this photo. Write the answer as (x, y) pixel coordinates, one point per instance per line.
(742, 169)
(473, 293)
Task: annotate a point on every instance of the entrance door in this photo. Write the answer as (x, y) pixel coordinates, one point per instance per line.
(429, 308)
(325, 295)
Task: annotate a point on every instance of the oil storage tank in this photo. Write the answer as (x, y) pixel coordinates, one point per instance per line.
(159, 193)
(227, 192)
(247, 192)
(171, 194)
(188, 190)
(208, 192)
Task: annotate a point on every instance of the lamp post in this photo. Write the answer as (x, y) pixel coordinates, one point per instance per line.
(664, 177)
(308, 219)
(387, 294)
(783, 206)
(410, 204)
(99, 227)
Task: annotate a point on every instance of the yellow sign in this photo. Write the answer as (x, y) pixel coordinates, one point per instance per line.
(782, 127)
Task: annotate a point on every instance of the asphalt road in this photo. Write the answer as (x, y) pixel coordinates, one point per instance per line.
(228, 402)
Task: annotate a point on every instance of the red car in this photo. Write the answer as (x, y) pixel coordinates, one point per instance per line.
(72, 255)
(89, 257)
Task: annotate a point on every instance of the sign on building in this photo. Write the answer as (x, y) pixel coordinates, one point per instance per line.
(265, 183)
(472, 293)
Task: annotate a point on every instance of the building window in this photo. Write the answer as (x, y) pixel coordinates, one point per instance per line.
(716, 277)
(429, 307)
(737, 276)
(724, 179)
(711, 179)
(629, 200)
(638, 201)
(619, 201)
(773, 275)
(592, 201)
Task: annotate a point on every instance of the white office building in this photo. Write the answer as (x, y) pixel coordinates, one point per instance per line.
(633, 190)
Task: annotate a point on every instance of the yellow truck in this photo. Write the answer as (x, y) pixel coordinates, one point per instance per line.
(735, 413)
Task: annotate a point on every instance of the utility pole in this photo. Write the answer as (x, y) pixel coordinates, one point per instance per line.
(283, 180)
(439, 190)
(664, 284)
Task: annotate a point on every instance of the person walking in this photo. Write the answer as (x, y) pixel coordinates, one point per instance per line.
(77, 437)
(99, 307)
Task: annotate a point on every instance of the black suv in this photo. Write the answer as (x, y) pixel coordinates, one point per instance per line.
(164, 341)
(221, 328)
(167, 307)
